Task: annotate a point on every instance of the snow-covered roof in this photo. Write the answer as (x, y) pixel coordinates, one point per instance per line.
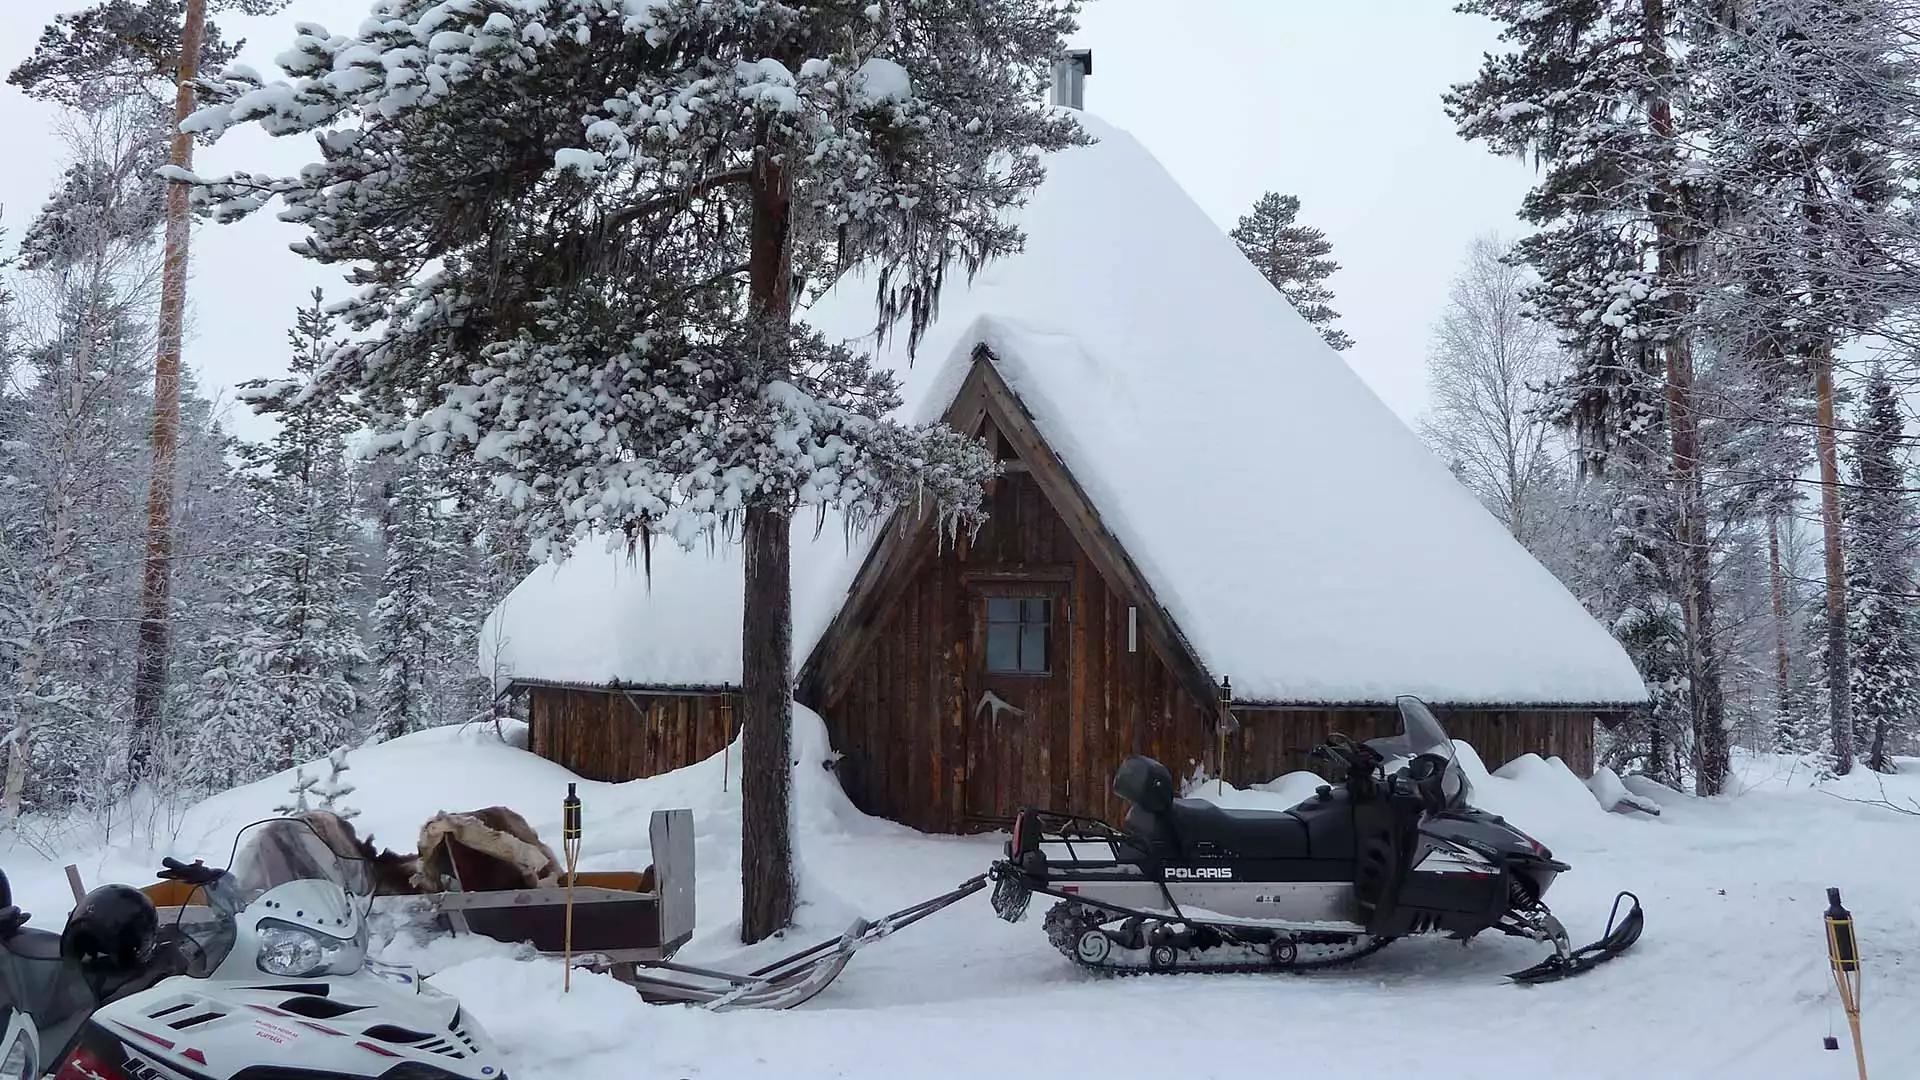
(1304, 541)
(608, 615)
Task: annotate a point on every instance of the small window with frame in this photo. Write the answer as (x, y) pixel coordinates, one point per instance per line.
(1018, 632)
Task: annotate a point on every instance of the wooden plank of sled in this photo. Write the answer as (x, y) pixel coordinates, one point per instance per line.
(548, 897)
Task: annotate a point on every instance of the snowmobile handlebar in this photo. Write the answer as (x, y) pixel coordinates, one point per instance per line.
(1359, 759)
(194, 873)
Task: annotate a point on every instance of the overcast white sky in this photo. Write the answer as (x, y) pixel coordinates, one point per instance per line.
(1337, 103)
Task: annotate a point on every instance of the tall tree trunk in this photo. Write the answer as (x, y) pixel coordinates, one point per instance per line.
(1674, 251)
(1782, 654)
(766, 631)
(1877, 759)
(150, 668)
(1839, 695)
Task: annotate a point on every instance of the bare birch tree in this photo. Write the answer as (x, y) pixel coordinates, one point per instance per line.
(1488, 361)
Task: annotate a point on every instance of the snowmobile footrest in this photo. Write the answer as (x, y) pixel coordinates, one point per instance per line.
(1621, 933)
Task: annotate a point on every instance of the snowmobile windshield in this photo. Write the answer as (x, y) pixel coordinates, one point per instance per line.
(1422, 733)
(1421, 729)
(274, 853)
(300, 905)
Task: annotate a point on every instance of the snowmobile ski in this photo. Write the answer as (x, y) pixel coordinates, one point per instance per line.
(1393, 851)
(1620, 935)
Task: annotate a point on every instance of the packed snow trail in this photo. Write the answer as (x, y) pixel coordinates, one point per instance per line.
(1730, 979)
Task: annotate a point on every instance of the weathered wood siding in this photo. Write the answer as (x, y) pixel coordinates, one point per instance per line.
(902, 682)
(902, 713)
(616, 736)
(1272, 742)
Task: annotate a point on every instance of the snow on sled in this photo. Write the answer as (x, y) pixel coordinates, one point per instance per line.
(1184, 885)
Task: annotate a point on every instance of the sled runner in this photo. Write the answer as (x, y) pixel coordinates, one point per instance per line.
(792, 979)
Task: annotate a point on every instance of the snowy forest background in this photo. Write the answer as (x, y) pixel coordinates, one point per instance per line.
(1685, 388)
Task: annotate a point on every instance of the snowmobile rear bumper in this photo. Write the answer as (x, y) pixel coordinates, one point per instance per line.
(1620, 935)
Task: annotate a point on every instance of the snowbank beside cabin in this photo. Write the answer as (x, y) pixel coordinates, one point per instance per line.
(1730, 980)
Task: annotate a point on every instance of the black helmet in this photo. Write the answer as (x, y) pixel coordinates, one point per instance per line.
(6, 890)
(113, 927)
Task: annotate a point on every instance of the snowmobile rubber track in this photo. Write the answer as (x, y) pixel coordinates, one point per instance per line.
(1062, 931)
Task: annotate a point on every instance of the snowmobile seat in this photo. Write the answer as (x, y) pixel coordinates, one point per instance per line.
(1206, 829)
(39, 946)
(1145, 783)
(1167, 827)
(1329, 823)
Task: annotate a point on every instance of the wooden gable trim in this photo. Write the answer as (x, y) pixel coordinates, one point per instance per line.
(890, 567)
(1056, 482)
(887, 572)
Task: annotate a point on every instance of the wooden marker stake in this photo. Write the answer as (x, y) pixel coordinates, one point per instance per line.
(1226, 710)
(570, 845)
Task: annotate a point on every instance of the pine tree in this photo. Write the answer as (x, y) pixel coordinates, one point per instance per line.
(234, 714)
(1592, 92)
(1882, 622)
(302, 786)
(1802, 111)
(122, 56)
(1293, 258)
(304, 598)
(1636, 599)
(409, 630)
(622, 202)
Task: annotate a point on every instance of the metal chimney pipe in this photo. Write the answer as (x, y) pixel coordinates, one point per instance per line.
(1070, 78)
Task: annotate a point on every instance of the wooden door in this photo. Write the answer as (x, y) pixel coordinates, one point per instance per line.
(1017, 698)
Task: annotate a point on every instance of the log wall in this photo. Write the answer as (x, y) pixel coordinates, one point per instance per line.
(902, 716)
(1273, 742)
(614, 736)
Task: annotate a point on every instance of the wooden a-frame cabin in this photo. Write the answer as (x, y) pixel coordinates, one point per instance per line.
(1196, 490)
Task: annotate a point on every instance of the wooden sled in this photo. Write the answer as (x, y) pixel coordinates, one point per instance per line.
(630, 925)
(620, 918)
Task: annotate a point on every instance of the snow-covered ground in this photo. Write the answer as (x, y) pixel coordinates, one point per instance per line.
(1730, 979)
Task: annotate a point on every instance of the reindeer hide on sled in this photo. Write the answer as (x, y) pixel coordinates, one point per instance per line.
(385, 872)
(483, 851)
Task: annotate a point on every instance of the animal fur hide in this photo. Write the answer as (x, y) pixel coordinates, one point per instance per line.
(386, 872)
(498, 850)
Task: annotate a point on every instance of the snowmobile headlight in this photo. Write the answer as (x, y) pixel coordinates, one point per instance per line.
(297, 952)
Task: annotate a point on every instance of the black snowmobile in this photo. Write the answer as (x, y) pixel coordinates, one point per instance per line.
(1184, 885)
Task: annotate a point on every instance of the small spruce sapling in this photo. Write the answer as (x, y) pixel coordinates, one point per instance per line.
(302, 784)
(336, 788)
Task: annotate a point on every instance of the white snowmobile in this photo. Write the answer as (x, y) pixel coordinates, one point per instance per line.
(261, 972)
(1184, 885)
